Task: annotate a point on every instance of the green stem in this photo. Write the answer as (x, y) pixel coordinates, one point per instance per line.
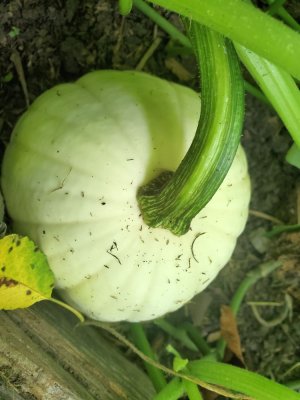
(175, 203)
(278, 229)
(192, 391)
(197, 338)
(273, 9)
(162, 23)
(286, 17)
(252, 277)
(140, 339)
(241, 381)
(173, 391)
(177, 333)
(256, 92)
(68, 307)
(247, 25)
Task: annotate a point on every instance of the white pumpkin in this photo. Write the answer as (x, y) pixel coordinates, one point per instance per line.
(70, 178)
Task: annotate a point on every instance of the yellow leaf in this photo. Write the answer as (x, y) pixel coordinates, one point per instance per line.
(25, 276)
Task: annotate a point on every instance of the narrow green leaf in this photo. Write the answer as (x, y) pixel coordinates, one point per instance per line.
(241, 381)
(246, 25)
(293, 155)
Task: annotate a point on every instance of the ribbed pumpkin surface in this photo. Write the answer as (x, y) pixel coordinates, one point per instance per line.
(70, 178)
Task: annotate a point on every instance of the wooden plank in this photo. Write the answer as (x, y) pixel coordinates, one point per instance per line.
(44, 356)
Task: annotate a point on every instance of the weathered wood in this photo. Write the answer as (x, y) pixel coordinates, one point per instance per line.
(44, 357)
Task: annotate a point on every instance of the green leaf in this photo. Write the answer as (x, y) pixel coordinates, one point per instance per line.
(14, 32)
(125, 6)
(25, 276)
(179, 363)
(241, 381)
(293, 156)
(7, 78)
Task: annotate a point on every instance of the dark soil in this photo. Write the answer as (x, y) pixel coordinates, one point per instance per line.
(44, 42)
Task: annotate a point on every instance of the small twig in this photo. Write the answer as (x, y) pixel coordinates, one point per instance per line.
(120, 38)
(265, 303)
(16, 60)
(262, 215)
(276, 321)
(61, 185)
(148, 54)
(291, 369)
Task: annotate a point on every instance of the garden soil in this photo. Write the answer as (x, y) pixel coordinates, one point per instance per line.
(45, 42)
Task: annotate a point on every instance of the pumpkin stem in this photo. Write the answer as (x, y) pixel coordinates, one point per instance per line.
(172, 200)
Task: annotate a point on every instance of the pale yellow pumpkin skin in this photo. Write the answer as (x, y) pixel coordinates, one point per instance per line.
(70, 177)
